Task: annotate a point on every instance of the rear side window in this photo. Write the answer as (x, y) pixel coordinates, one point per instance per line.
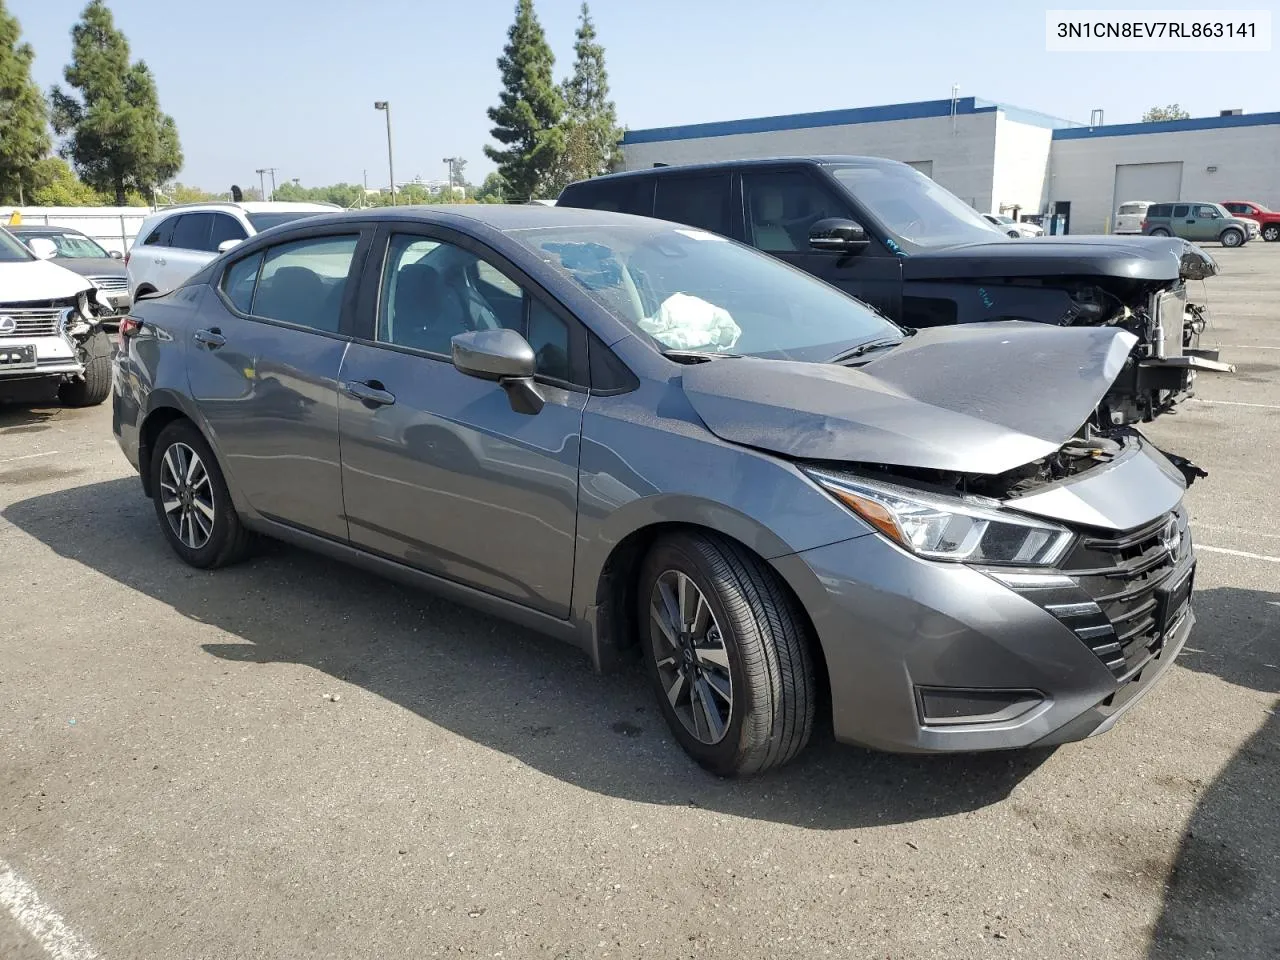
(1159, 210)
(698, 201)
(1182, 210)
(191, 232)
(624, 195)
(225, 227)
(304, 282)
(239, 280)
(161, 234)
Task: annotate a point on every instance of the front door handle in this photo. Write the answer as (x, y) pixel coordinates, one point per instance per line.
(369, 392)
(213, 338)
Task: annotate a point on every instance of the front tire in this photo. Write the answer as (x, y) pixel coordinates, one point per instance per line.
(1159, 232)
(95, 387)
(1271, 232)
(727, 653)
(1231, 238)
(192, 502)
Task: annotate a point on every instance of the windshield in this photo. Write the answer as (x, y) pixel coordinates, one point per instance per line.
(916, 210)
(265, 221)
(11, 249)
(73, 245)
(686, 289)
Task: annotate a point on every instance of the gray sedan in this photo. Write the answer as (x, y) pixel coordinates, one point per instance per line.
(642, 437)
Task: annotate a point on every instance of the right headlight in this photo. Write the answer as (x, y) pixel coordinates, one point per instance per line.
(948, 528)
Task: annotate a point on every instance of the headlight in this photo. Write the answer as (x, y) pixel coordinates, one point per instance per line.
(948, 528)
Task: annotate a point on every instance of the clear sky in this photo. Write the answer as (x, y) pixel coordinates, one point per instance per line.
(291, 83)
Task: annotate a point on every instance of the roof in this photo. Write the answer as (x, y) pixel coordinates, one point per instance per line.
(1169, 126)
(498, 216)
(711, 165)
(964, 106)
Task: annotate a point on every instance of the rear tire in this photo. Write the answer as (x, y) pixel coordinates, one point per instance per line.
(192, 502)
(1271, 232)
(745, 649)
(1159, 232)
(95, 387)
(1231, 238)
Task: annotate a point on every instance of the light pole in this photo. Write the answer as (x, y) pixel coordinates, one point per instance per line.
(385, 107)
(262, 182)
(272, 171)
(450, 163)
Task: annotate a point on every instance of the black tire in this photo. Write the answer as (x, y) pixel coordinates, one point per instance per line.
(95, 354)
(1231, 237)
(770, 664)
(1159, 232)
(1015, 234)
(228, 541)
(1271, 232)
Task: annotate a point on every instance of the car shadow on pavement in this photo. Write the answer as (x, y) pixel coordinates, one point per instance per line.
(507, 688)
(1221, 896)
(25, 418)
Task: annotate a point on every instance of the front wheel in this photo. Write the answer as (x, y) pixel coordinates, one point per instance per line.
(192, 502)
(727, 653)
(1015, 234)
(1159, 232)
(95, 386)
(1271, 232)
(1231, 238)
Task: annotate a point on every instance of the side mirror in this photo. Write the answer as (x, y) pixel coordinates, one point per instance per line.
(43, 247)
(226, 245)
(502, 356)
(838, 235)
(117, 255)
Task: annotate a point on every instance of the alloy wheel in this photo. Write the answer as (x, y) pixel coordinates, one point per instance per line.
(691, 656)
(186, 494)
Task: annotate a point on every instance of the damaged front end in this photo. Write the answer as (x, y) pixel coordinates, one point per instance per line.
(54, 341)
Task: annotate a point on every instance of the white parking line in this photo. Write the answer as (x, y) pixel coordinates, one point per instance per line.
(40, 921)
(31, 456)
(1241, 346)
(1239, 403)
(1238, 553)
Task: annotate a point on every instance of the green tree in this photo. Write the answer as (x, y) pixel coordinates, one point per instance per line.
(592, 135)
(24, 130)
(1172, 112)
(56, 185)
(116, 133)
(530, 108)
(493, 190)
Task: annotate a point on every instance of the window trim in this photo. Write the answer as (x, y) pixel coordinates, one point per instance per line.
(346, 317)
(370, 304)
(244, 231)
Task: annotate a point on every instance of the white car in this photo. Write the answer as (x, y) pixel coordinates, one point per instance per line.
(175, 242)
(1130, 215)
(51, 333)
(1015, 228)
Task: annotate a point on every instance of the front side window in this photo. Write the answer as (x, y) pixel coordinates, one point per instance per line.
(1207, 212)
(919, 213)
(1237, 208)
(304, 282)
(225, 227)
(687, 289)
(698, 201)
(782, 206)
(432, 291)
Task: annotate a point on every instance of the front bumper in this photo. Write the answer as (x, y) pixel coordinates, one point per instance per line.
(898, 632)
(54, 356)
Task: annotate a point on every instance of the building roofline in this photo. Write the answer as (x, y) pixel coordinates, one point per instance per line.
(1168, 126)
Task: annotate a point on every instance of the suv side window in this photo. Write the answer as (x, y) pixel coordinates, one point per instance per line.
(1159, 210)
(624, 195)
(191, 232)
(432, 291)
(782, 206)
(1182, 210)
(1206, 212)
(225, 227)
(701, 201)
(303, 282)
(1237, 208)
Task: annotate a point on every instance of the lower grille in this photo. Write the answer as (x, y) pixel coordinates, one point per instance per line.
(30, 322)
(111, 284)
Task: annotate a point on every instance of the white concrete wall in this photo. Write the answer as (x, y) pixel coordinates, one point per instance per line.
(1021, 165)
(963, 161)
(1248, 160)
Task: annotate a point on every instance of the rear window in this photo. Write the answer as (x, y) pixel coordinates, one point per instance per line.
(265, 221)
(624, 195)
(1159, 210)
(1128, 209)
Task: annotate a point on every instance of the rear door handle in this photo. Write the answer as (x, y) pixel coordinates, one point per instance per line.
(369, 392)
(160, 261)
(213, 339)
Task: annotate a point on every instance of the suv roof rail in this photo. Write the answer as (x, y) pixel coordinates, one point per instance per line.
(240, 206)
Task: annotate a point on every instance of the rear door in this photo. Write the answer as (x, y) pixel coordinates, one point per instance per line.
(1182, 221)
(263, 369)
(438, 471)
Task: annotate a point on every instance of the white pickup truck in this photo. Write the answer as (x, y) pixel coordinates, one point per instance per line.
(50, 330)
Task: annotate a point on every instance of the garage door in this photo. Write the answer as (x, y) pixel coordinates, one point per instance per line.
(1147, 181)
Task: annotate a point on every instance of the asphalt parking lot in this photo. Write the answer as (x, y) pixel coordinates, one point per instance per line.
(290, 758)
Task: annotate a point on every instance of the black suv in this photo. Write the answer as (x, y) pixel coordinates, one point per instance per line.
(896, 239)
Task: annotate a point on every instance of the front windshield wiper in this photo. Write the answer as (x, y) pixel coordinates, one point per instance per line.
(852, 353)
(698, 356)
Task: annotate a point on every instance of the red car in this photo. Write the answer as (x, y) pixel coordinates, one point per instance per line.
(1268, 220)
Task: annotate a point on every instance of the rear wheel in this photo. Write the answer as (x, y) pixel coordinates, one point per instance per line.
(1160, 232)
(1271, 232)
(95, 356)
(727, 654)
(192, 502)
(1231, 238)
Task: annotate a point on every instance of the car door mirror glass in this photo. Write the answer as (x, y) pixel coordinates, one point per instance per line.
(43, 247)
(226, 245)
(836, 233)
(503, 356)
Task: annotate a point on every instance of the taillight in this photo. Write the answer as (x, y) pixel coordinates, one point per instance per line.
(1143, 228)
(129, 327)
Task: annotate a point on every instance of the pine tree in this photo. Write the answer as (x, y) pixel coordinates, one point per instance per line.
(24, 133)
(529, 111)
(116, 133)
(587, 103)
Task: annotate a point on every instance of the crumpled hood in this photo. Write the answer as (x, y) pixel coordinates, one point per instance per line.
(1132, 258)
(31, 280)
(975, 398)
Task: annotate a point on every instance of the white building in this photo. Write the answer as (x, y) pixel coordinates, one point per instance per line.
(1002, 158)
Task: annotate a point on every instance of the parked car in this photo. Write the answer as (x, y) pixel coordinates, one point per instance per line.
(80, 254)
(175, 242)
(1014, 228)
(899, 241)
(1268, 220)
(51, 334)
(680, 446)
(1199, 222)
(1129, 217)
